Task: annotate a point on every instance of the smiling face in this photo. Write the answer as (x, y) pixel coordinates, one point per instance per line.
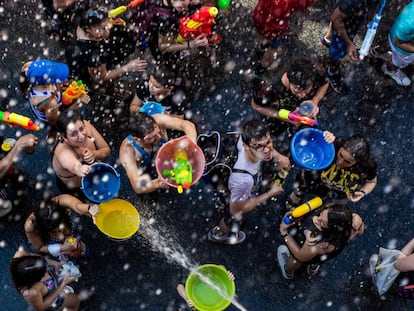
(262, 149)
(76, 135)
(100, 32)
(344, 159)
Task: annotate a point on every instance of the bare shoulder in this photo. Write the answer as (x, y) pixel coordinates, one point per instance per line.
(29, 226)
(127, 153)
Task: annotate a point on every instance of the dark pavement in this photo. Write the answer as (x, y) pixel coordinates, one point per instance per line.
(143, 272)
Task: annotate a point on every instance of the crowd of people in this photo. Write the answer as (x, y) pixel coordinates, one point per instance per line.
(100, 52)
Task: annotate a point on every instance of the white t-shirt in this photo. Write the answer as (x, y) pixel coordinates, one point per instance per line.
(241, 184)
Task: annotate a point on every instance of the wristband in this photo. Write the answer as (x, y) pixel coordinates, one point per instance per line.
(54, 249)
(89, 206)
(363, 192)
(285, 235)
(188, 44)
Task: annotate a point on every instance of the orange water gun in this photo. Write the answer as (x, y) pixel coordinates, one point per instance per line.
(75, 90)
(197, 24)
(114, 13)
(19, 120)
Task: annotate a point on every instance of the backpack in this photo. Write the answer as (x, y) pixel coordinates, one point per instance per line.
(220, 151)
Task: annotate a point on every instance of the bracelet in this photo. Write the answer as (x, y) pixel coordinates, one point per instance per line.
(188, 44)
(285, 235)
(363, 192)
(89, 206)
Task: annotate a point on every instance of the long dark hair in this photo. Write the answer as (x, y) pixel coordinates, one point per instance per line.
(26, 271)
(49, 216)
(358, 147)
(339, 225)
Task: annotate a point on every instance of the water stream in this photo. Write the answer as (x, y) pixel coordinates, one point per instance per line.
(162, 241)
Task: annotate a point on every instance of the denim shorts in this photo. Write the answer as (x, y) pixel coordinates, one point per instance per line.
(277, 42)
(398, 59)
(338, 49)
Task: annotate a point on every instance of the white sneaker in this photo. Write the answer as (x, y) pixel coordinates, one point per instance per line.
(282, 255)
(399, 76)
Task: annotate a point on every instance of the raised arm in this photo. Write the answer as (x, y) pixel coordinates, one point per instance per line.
(140, 183)
(174, 123)
(69, 201)
(103, 151)
(136, 104)
(23, 142)
(102, 74)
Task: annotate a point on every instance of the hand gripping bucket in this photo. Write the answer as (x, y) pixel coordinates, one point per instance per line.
(118, 219)
(206, 297)
(310, 150)
(101, 183)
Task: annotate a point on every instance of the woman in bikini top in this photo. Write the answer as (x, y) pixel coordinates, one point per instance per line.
(36, 281)
(78, 145)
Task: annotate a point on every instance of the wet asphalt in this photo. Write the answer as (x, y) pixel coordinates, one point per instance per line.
(137, 274)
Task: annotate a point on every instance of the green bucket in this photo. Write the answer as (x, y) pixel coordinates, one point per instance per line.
(204, 296)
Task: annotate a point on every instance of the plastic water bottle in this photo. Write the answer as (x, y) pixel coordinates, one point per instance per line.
(306, 109)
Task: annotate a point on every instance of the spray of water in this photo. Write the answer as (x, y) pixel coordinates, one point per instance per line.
(163, 241)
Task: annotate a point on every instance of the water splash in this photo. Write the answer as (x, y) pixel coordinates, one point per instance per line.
(162, 240)
(219, 290)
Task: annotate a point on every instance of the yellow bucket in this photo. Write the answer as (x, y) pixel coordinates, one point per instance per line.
(118, 219)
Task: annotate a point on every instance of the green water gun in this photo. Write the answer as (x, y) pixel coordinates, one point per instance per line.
(181, 174)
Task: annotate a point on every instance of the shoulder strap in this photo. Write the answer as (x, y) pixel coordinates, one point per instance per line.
(146, 159)
(236, 170)
(58, 88)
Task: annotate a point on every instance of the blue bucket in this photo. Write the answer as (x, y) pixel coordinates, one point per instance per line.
(310, 150)
(102, 183)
